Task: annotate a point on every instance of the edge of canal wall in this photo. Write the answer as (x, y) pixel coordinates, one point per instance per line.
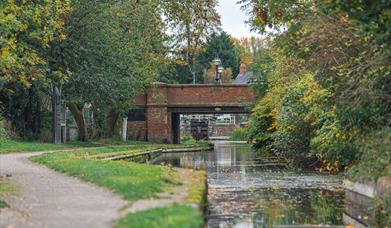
(359, 199)
(161, 151)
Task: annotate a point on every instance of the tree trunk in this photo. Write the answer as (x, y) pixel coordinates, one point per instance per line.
(111, 120)
(77, 112)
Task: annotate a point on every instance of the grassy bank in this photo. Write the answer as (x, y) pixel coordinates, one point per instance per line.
(14, 146)
(165, 217)
(6, 189)
(133, 181)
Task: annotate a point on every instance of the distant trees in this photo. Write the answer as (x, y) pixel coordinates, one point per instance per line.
(221, 46)
(190, 22)
(248, 47)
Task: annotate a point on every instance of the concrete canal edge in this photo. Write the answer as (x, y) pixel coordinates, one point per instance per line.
(161, 151)
(359, 198)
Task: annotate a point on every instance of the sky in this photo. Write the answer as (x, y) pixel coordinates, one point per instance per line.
(233, 19)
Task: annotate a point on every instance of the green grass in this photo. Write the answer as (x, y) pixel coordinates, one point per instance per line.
(172, 216)
(6, 189)
(131, 180)
(13, 146)
(197, 187)
(3, 204)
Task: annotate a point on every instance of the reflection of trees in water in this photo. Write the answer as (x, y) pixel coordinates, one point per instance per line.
(260, 207)
(266, 207)
(194, 160)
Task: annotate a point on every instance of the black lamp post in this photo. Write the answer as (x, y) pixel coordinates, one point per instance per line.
(219, 70)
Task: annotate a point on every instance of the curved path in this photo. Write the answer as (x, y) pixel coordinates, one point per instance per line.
(50, 199)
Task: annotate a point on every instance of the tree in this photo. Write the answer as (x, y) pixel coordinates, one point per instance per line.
(27, 110)
(112, 51)
(190, 22)
(27, 28)
(248, 47)
(221, 46)
(326, 80)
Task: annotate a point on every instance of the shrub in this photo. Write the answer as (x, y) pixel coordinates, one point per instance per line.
(375, 160)
(239, 134)
(188, 139)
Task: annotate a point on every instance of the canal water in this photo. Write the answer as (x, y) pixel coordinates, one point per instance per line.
(246, 191)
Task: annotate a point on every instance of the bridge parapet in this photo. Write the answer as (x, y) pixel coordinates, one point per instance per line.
(203, 94)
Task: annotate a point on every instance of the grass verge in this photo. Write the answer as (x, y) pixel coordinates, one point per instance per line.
(172, 216)
(13, 146)
(131, 180)
(196, 190)
(6, 189)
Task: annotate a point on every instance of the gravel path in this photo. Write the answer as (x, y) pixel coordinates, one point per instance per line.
(50, 199)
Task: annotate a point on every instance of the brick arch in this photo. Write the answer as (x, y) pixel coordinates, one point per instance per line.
(157, 116)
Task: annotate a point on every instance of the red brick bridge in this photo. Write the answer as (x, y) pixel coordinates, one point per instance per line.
(157, 117)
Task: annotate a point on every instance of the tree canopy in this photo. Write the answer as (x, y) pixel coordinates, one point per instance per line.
(325, 81)
(27, 28)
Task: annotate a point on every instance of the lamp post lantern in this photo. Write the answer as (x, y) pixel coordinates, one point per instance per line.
(219, 70)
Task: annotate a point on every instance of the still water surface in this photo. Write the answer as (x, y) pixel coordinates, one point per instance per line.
(245, 191)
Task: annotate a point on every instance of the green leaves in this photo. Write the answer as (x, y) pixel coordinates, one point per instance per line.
(27, 29)
(113, 51)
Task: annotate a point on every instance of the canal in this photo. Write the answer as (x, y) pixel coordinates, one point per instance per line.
(247, 191)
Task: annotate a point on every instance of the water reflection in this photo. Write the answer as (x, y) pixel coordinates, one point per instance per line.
(244, 191)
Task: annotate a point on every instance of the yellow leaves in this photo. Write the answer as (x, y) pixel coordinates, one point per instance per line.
(344, 136)
(331, 167)
(181, 62)
(62, 36)
(28, 29)
(274, 115)
(5, 52)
